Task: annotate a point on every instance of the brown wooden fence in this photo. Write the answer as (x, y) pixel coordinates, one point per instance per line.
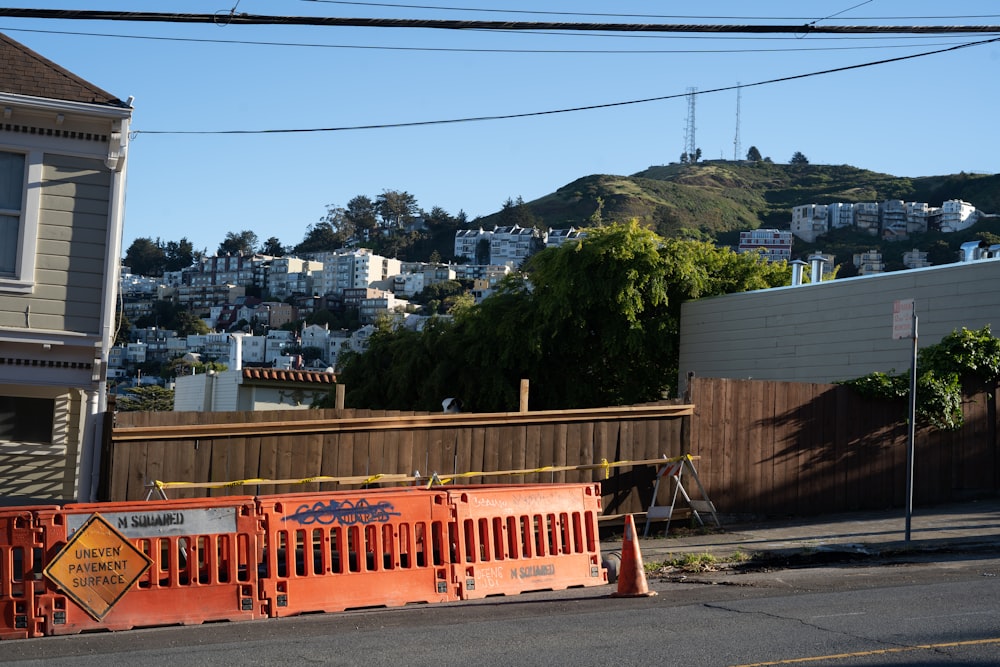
(763, 448)
(299, 444)
(798, 448)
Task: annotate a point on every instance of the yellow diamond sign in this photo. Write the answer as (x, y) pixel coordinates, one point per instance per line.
(97, 566)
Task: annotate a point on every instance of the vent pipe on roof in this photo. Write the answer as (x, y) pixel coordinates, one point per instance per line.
(816, 275)
(797, 266)
(236, 351)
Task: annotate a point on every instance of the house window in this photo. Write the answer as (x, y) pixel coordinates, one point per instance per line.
(11, 196)
(18, 218)
(26, 419)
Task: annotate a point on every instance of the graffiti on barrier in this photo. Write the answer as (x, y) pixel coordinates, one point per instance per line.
(344, 513)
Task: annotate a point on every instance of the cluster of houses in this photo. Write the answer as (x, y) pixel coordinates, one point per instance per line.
(892, 220)
(223, 288)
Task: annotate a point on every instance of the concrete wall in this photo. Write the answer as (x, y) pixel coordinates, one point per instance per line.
(835, 330)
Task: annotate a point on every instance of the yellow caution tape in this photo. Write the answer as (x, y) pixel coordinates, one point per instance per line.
(604, 466)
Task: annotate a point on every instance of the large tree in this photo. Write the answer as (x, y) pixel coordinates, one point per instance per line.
(395, 208)
(592, 323)
(327, 234)
(179, 255)
(145, 257)
(273, 247)
(242, 243)
(362, 215)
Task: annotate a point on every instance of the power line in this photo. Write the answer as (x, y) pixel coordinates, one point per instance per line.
(445, 49)
(444, 24)
(641, 16)
(592, 107)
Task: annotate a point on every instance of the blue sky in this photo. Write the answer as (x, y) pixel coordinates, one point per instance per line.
(925, 116)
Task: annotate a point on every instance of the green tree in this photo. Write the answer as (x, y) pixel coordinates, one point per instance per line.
(186, 323)
(179, 255)
(146, 398)
(145, 257)
(516, 212)
(590, 324)
(362, 214)
(799, 159)
(326, 235)
(123, 329)
(753, 155)
(395, 208)
(242, 243)
(940, 253)
(272, 246)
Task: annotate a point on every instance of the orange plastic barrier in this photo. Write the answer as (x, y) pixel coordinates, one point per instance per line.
(512, 539)
(21, 547)
(350, 549)
(181, 562)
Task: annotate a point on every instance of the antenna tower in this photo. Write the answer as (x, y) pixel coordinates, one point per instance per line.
(689, 142)
(737, 148)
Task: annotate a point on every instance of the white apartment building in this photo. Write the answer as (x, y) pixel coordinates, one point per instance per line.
(467, 242)
(894, 219)
(957, 215)
(869, 262)
(866, 217)
(809, 221)
(558, 237)
(840, 215)
(775, 245)
(356, 268)
(512, 245)
(915, 259)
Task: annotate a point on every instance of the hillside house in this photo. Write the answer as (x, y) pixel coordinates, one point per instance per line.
(63, 155)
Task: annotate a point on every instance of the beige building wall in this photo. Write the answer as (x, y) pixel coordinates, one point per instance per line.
(835, 330)
(71, 250)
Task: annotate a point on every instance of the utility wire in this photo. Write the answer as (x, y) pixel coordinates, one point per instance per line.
(444, 49)
(255, 19)
(642, 16)
(592, 107)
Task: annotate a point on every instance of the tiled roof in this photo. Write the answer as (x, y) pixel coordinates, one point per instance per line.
(24, 72)
(280, 375)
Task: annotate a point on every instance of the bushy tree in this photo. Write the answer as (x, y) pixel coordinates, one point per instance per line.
(146, 398)
(145, 257)
(799, 159)
(242, 243)
(753, 155)
(590, 324)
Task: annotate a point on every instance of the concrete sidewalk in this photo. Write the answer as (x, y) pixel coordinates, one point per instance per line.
(967, 525)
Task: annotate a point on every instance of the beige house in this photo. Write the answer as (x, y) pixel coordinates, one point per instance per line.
(63, 145)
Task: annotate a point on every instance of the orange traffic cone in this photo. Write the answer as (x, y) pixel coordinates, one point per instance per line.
(631, 574)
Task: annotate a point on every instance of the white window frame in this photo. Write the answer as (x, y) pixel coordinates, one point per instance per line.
(23, 280)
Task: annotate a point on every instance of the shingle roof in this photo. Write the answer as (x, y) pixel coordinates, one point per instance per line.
(24, 72)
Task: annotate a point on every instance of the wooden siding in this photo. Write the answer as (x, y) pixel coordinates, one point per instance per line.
(71, 250)
(45, 472)
(833, 330)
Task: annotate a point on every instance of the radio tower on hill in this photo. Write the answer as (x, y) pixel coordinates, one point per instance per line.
(689, 143)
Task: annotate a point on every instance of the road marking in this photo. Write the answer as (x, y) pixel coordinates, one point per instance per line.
(862, 654)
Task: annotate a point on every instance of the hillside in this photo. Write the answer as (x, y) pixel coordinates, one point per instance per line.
(716, 199)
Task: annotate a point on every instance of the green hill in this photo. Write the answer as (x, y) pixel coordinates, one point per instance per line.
(716, 199)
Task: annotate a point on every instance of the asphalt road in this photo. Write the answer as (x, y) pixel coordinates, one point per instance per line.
(944, 611)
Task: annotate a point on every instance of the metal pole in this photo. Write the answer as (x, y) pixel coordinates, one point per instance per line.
(911, 429)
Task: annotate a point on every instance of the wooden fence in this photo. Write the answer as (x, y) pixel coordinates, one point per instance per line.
(764, 448)
(299, 444)
(799, 449)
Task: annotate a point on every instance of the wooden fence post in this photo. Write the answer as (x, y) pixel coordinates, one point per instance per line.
(524, 395)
